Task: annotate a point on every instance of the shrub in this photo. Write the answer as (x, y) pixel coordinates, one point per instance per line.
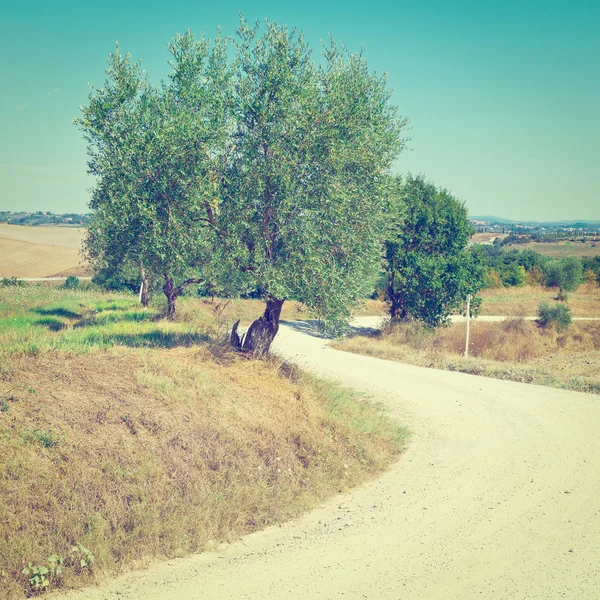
(591, 277)
(559, 315)
(535, 276)
(514, 275)
(118, 279)
(11, 282)
(565, 274)
(72, 282)
(492, 278)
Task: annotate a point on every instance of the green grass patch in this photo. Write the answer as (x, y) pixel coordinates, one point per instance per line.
(37, 319)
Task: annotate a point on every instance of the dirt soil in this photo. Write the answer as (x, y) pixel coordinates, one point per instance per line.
(496, 498)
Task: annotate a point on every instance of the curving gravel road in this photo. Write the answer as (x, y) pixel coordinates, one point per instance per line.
(497, 497)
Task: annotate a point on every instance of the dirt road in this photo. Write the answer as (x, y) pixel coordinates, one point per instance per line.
(497, 497)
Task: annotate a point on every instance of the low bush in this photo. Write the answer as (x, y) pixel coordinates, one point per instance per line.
(72, 282)
(558, 315)
(11, 282)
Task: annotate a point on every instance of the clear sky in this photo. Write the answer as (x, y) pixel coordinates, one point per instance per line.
(503, 97)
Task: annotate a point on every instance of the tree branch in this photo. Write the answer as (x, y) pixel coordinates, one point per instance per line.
(187, 282)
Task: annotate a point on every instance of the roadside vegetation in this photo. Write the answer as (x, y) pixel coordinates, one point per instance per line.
(126, 437)
(515, 349)
(524, 301)
(428, 273)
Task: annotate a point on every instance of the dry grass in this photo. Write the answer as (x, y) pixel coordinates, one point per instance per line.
(480, 238)
(515, 349)
(140, 439)
(25, 259)
(67, 237)
(560, 249)
(524, 301)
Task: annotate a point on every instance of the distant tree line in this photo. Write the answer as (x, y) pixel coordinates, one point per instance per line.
(505, 268)
(43, 218)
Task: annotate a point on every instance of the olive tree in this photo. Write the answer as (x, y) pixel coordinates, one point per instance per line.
(306, 188)
(157, 153)
(429, 267)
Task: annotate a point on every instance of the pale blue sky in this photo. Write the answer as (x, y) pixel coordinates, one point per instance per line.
(503, 97)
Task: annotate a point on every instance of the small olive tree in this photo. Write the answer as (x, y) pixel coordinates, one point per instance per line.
(157, 152)
(566, 274)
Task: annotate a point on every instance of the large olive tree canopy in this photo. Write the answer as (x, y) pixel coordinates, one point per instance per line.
(306, 190)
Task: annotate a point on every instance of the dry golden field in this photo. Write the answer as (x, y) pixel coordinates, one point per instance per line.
(560, 249)
(40, 251)
(524, 301)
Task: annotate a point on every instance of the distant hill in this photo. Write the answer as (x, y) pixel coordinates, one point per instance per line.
(42, 251)
(578, 224)
(44, 218)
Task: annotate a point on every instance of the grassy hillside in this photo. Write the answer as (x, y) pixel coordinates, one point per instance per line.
(126, 438)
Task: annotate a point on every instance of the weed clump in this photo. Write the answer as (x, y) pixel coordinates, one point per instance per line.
(72, 282)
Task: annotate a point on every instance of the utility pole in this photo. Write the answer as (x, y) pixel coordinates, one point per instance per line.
(468, 323)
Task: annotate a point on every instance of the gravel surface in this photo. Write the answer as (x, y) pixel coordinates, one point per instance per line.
(497, 497)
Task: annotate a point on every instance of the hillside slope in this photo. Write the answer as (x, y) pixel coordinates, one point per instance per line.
(40, 251)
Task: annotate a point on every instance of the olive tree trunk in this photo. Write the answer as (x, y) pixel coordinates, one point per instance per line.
(145, 288)
(172, 292)
(262, 332)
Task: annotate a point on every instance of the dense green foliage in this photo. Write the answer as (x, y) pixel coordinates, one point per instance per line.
(521, 267)
(565, 274)
(71, 282)
(306, 189)
(154, 151)
(118, 279)
(429, 267)
(512, 267)
(591, 268)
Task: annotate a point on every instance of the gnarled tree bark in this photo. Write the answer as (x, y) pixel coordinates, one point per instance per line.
(262, 332)
(172, 292)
